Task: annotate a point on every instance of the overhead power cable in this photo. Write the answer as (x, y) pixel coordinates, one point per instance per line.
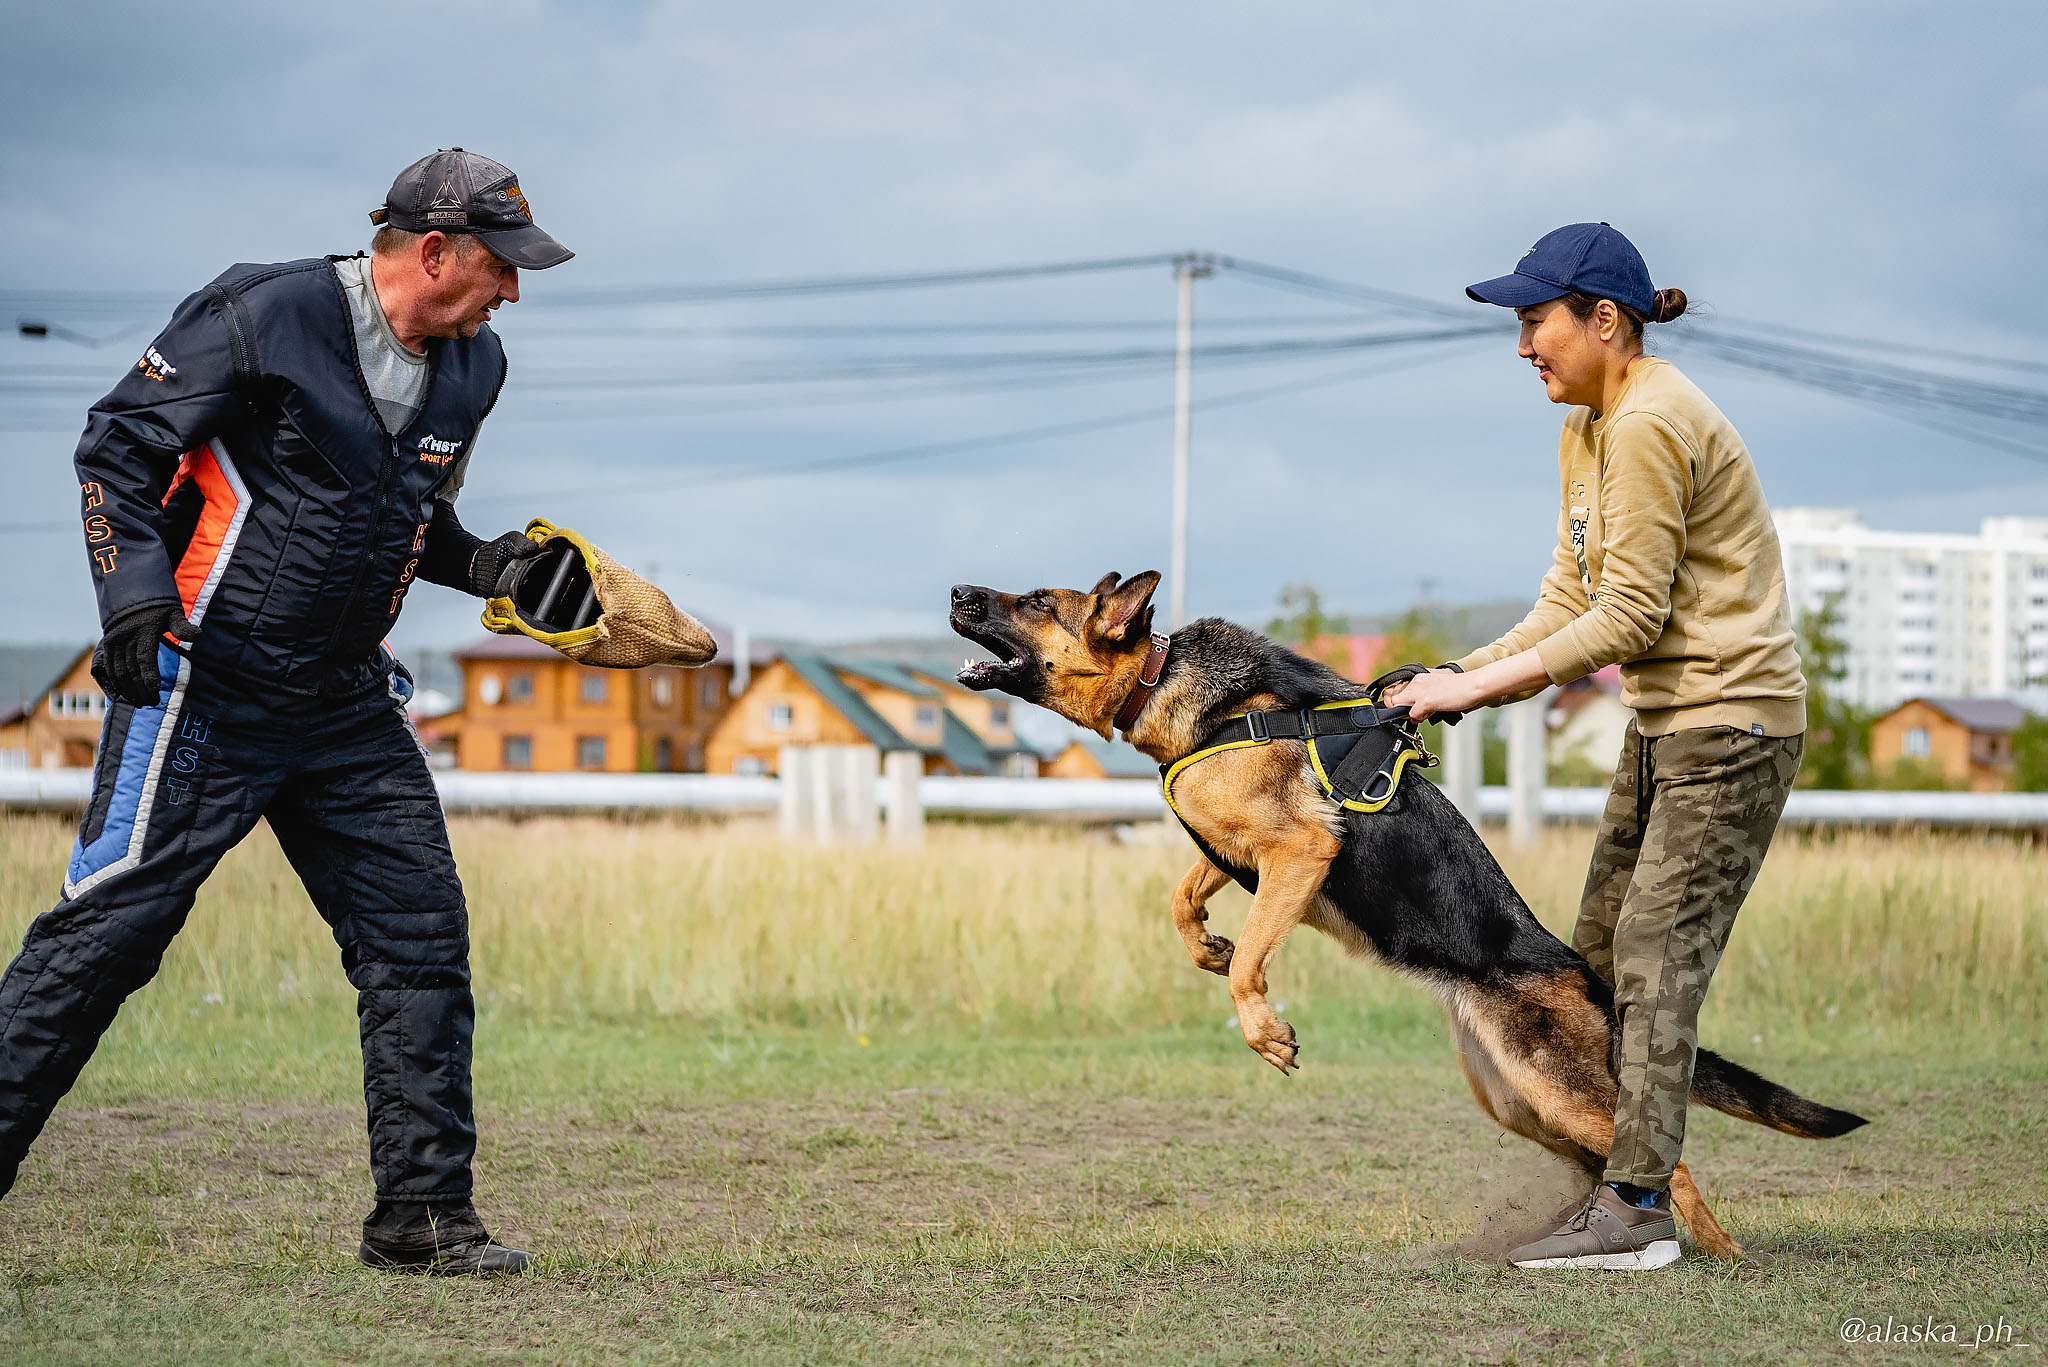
(705, 478)
(841, 284)
(895, 455)
(1724, 323)
(1888, 385)
(612, 331)
(800, 371)
(1877, 380)
(1303, 282)
(60, 301)
(961, 362)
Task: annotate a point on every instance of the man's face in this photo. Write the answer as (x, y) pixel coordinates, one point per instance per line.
(470, 283)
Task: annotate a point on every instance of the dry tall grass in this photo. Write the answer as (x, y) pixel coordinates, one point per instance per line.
(1018, 925)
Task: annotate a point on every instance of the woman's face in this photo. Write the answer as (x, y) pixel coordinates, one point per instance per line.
(1569, 355)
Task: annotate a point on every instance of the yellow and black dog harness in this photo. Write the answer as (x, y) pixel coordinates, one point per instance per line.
(1357, 749)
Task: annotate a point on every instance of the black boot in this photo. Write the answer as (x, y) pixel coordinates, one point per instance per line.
(442, 1239)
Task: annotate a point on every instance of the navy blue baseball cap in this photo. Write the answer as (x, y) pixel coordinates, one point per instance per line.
(1586, 258)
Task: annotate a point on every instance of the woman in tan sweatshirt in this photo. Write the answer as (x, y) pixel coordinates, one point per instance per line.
(1667, 564)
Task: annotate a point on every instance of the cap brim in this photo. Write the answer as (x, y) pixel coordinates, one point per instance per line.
(528, 248)
(1515, 291)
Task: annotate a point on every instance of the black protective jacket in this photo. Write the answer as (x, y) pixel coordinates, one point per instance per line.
(241, 471)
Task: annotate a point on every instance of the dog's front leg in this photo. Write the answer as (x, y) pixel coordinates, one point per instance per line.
(1191, 916)
(1287, 885)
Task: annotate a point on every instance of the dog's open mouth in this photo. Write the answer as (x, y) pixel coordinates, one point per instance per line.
(982, 675)
(985, 674)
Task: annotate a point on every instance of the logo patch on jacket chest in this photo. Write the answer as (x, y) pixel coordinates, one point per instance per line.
(434, 451)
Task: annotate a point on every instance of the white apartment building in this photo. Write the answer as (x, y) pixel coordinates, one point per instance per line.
(1927, 614)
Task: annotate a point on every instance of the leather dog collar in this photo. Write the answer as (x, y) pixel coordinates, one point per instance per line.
(1148, 679)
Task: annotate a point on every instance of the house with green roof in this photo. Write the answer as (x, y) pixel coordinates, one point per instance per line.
(813, 698)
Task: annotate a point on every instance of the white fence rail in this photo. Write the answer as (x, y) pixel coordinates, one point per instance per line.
(68, 790)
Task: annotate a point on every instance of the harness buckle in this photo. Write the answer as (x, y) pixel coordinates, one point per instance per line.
(1255, 722)
(1423, 753)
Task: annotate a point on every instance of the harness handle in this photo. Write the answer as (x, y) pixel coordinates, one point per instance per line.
(1401, 674)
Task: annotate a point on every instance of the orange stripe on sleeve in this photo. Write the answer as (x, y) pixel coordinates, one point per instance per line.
(217, 512)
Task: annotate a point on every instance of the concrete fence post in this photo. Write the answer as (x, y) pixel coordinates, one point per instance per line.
(859, 770)
(793, 792)
(1464, 747)
(901, 770)
(826, 816)
(1527, 765)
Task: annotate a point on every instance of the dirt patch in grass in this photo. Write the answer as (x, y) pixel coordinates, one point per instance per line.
(962, 1220)
(873, 1171)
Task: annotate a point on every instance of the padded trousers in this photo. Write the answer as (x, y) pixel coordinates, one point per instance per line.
(346, 789)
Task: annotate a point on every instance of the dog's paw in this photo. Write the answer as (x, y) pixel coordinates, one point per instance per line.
(1214, 954)
(1272, 1039)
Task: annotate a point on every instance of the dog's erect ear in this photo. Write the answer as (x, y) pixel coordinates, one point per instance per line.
(1105, 584)
(1126, 611)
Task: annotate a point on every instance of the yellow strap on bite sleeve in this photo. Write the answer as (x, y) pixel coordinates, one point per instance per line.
(637, 625)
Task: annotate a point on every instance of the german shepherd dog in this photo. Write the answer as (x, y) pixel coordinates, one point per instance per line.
(1412, 885)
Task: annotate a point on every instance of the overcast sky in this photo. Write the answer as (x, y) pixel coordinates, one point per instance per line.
(1871, 169)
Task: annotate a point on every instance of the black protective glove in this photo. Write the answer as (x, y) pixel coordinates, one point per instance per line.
(125, 663)
(460, 561)
(492, 561)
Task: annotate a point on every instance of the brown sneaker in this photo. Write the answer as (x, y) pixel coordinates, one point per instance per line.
(1607, 1232)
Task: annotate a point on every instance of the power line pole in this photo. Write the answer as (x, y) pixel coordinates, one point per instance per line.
(1187, 268)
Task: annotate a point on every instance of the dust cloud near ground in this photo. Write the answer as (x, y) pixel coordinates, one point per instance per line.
(1522, 1197)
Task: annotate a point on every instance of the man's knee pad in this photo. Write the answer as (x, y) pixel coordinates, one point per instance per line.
(408, 949)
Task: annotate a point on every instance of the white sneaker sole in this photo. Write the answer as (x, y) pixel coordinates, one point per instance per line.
(1655, 1254)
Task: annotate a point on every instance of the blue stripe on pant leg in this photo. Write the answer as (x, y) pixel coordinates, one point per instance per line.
(118, 845)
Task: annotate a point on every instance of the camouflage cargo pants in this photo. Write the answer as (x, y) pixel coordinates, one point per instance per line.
(1684, 833)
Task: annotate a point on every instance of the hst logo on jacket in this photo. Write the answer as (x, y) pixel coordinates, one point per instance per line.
(434, 451)
(154, 365)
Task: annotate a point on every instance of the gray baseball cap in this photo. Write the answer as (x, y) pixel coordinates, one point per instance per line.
(454, 192)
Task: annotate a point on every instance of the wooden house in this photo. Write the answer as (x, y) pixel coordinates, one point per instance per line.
(54, 716)
(1094, 757)
(1588, 725)
(812, 699)
(525, 706)
(1968, 739)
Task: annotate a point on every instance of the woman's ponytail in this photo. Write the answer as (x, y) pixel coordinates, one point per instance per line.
(1668, 307)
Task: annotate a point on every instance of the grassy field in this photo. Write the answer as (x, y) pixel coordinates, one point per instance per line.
(767, 1105)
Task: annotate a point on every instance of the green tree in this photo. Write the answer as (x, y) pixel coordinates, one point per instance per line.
(1303, 622)
(1837, 731)
(2030, 755)
(1302, 617)
(1493, 747)
(1416, 638)
(1908, 774)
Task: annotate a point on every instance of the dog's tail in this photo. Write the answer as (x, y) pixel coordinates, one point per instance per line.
(1729, 1087)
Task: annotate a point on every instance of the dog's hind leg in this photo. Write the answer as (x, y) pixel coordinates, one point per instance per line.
(1560, 1071)
(1191, 915)
(1692, 1207)
(1505, 1106)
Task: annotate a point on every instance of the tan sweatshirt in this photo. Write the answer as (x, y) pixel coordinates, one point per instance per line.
(1667, 564)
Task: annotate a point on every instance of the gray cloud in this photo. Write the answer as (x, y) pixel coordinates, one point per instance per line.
(1871, 169)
